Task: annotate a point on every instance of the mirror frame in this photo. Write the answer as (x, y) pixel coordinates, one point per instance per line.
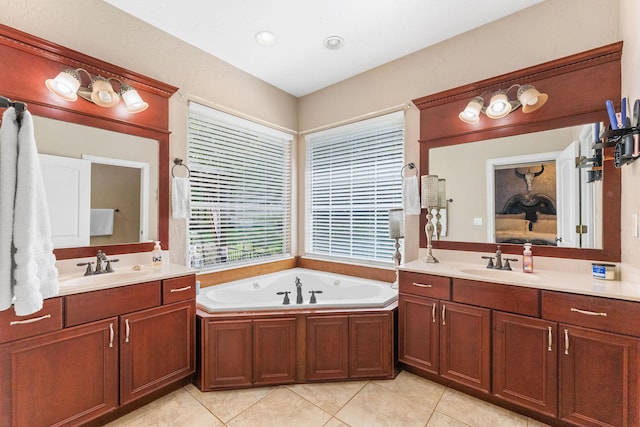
(578, 86)
(33, 60)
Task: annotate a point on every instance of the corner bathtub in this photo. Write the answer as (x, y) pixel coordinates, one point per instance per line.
(260, 292)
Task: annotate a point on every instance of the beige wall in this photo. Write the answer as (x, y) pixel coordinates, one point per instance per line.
(102, 31)
(550, 30)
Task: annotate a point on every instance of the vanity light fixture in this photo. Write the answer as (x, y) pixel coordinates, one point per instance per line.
(527, 97)
(99, 90)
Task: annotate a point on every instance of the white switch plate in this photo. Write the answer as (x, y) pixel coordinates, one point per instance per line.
(477, 220)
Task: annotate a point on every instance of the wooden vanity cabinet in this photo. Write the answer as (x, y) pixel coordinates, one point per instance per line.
(327, 332)
(104, 358)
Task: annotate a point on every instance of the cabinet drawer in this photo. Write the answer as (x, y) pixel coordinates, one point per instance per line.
(513, 299)
(178, 289)
(48, 319)
(593, 312)
(425, 285)
(90, 306)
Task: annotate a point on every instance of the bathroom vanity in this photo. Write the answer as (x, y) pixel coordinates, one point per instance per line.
(98, 352)
(536, 345)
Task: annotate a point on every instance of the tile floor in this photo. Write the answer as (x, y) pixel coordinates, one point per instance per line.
(406, 401)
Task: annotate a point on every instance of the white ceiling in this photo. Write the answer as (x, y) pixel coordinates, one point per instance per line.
(375, 32)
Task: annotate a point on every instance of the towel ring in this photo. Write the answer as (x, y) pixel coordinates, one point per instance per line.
(410, 166)
(178, 162)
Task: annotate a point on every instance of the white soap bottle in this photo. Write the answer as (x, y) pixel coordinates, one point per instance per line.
(527, 259)
(156, 255)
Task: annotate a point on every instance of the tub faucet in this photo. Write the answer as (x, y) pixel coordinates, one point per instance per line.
(298, 291)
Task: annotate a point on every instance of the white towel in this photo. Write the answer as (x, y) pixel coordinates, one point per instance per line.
(8, 167)
(410, 195)
(36, 275)
(101, 222)
(181, 198)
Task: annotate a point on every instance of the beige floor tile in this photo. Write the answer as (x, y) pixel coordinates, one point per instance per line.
(375, 405)
(281, 408)
(476, 412)
(330, 397)
(535, 423)
(178, 409)
(226, 404)
(442, 420)
(334, 422)
(415, 388)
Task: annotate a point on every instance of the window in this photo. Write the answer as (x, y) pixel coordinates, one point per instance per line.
(353, 179)
(240, 190)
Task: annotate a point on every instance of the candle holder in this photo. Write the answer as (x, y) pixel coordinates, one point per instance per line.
(396, 232)
(442, 204)
(429, 201)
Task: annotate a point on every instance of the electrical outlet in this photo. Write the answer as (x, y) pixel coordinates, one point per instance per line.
(477, 220)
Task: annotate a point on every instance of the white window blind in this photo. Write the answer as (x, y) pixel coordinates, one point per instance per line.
(240, 189)
(353, 179)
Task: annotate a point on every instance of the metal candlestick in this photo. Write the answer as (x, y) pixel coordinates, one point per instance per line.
(428, 229)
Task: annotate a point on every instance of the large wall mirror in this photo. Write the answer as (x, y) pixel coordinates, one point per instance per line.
(128, 153)
(515, 179)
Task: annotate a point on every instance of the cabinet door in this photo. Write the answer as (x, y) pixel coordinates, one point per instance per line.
(227, 356)
(525, 354)
(274, 356)
(65, 377)
(327, 347)
(465, 345)
(156, 348)
(370, 352)
(419, 332)
(598, 378)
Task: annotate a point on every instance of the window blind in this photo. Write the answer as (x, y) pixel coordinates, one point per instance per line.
(240, 189)
(353, 179)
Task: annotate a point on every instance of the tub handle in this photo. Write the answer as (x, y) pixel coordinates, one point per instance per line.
(421, 285)
(286, 296)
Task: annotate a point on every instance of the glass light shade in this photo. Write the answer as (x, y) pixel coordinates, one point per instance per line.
(531, 99)
(102, 93)
(132, 99)
(499, 105)
(396, 223)
(429, 191)
(471, 113)
(442, 194)
(266, 38)
(65, 85)
(334, 42)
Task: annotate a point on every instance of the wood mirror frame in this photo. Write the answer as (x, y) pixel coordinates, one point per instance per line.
(28, 61)
(577, 86)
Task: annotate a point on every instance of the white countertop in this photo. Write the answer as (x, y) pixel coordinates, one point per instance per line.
(72, 280)
(567, 280)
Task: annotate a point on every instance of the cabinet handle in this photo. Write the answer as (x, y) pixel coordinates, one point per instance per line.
(128, 330)
(111, 335)
(444, 309)
(186, 288)
(550, 339)
(421, 285)
(566, 341)
(589, 313)
(35, 319)
(433, 313)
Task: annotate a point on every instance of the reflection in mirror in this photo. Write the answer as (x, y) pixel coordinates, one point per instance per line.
(523, 188)
(123, 174)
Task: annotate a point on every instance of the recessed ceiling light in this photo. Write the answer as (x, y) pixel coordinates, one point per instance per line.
(265, 38)
(333, 42)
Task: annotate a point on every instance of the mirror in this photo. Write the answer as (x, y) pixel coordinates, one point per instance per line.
(121, 201)
(522, 188)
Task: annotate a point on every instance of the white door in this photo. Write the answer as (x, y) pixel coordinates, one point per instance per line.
(67, 184)
(567, 196)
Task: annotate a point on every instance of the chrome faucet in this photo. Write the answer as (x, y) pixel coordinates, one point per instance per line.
(298, 291)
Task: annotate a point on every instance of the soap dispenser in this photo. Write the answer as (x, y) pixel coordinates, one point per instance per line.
(527, 259)
(156, 255)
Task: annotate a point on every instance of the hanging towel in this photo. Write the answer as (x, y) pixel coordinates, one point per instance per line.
(8, 168)
(101, 222)
(410, 195)
(35, 274)
(180, 198)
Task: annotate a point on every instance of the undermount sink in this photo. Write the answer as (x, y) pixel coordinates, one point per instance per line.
(500, 274)
(117, 276)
